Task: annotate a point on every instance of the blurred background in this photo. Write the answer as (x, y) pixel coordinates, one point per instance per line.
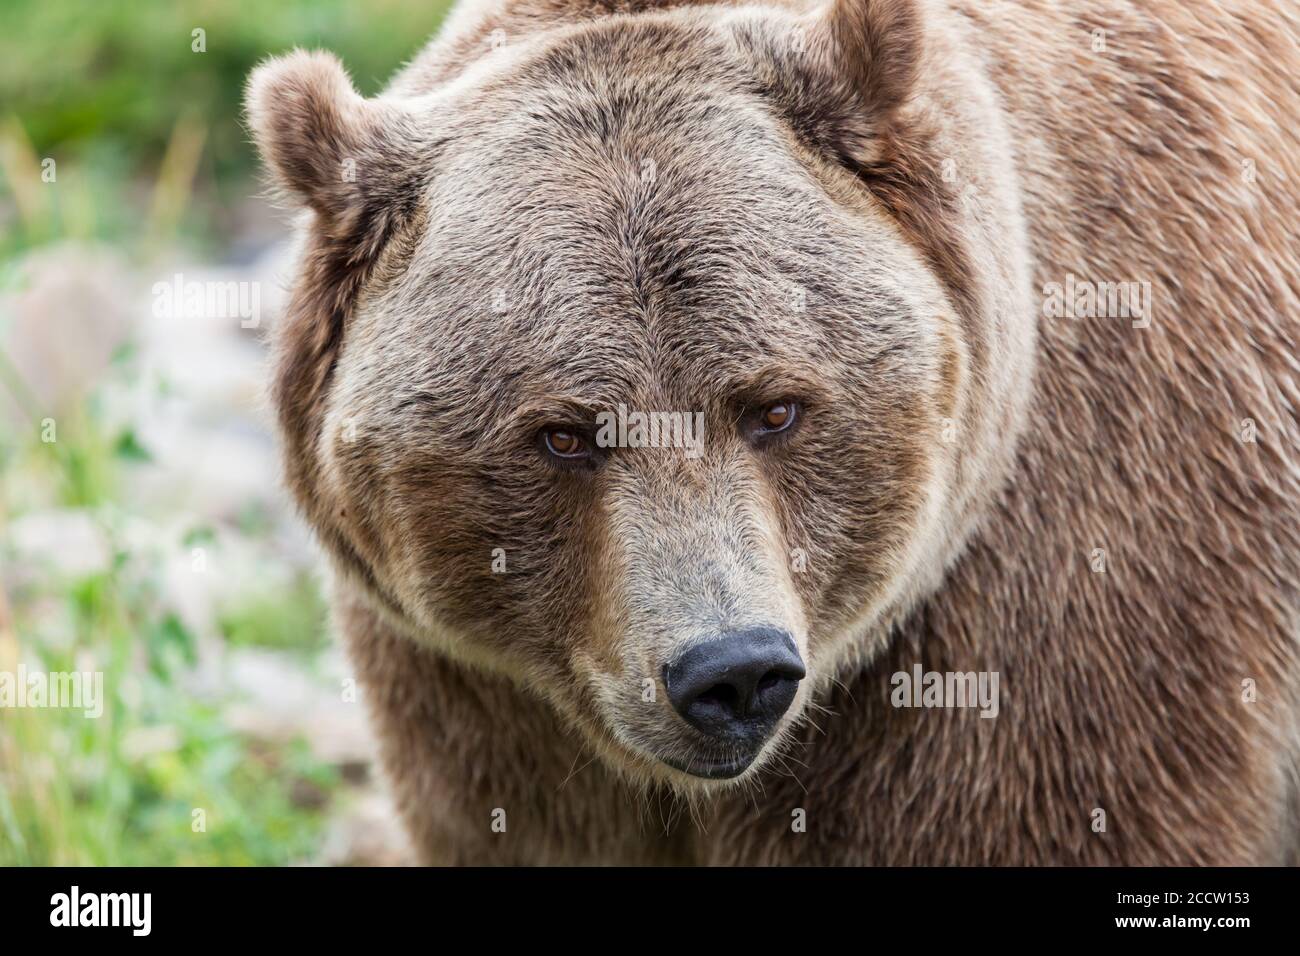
(144, 532)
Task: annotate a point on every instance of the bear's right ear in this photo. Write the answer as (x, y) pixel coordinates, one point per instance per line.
(360, 165)
(344, 156)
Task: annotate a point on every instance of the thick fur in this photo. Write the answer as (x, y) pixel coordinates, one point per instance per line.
(562, 205)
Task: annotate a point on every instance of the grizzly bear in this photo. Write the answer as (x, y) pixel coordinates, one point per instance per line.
(859, 432)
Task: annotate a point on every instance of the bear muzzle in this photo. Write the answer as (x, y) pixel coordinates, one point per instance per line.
(733, 691)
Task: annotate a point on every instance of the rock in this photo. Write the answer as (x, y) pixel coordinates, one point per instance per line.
(70, 310)
(278, 701)
(66, 543)
(366, 833)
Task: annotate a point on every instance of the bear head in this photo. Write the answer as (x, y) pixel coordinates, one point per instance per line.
(659, 362)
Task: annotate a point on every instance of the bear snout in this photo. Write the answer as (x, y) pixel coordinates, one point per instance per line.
(734, 689)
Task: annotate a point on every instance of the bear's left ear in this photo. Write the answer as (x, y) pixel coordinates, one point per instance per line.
(346, 157)
(839, 73)
(876, 44)
(848, 78)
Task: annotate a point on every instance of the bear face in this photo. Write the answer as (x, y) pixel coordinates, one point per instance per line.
(698, 222)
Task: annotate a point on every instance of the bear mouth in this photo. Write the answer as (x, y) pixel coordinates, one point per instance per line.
(712, 769)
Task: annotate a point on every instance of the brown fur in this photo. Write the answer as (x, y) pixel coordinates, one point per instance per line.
(921, 170)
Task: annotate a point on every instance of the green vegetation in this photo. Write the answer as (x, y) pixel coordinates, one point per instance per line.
(153, 129)
(123, 788)
(151, 157)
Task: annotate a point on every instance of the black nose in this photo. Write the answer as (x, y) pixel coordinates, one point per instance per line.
(738, 686)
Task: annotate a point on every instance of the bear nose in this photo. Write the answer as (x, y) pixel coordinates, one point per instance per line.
(738, 686)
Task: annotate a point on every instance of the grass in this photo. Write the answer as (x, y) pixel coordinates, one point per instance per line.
(115, 94)
(115, 129)
(124, 788)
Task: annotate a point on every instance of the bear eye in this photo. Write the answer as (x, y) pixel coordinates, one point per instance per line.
(778, 416)
(563, 443)
(771, 423)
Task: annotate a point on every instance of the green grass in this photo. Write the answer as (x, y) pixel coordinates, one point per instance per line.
(120, 73)
(122, 789)
(285, 619)
(150, 151)
(115, 94)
